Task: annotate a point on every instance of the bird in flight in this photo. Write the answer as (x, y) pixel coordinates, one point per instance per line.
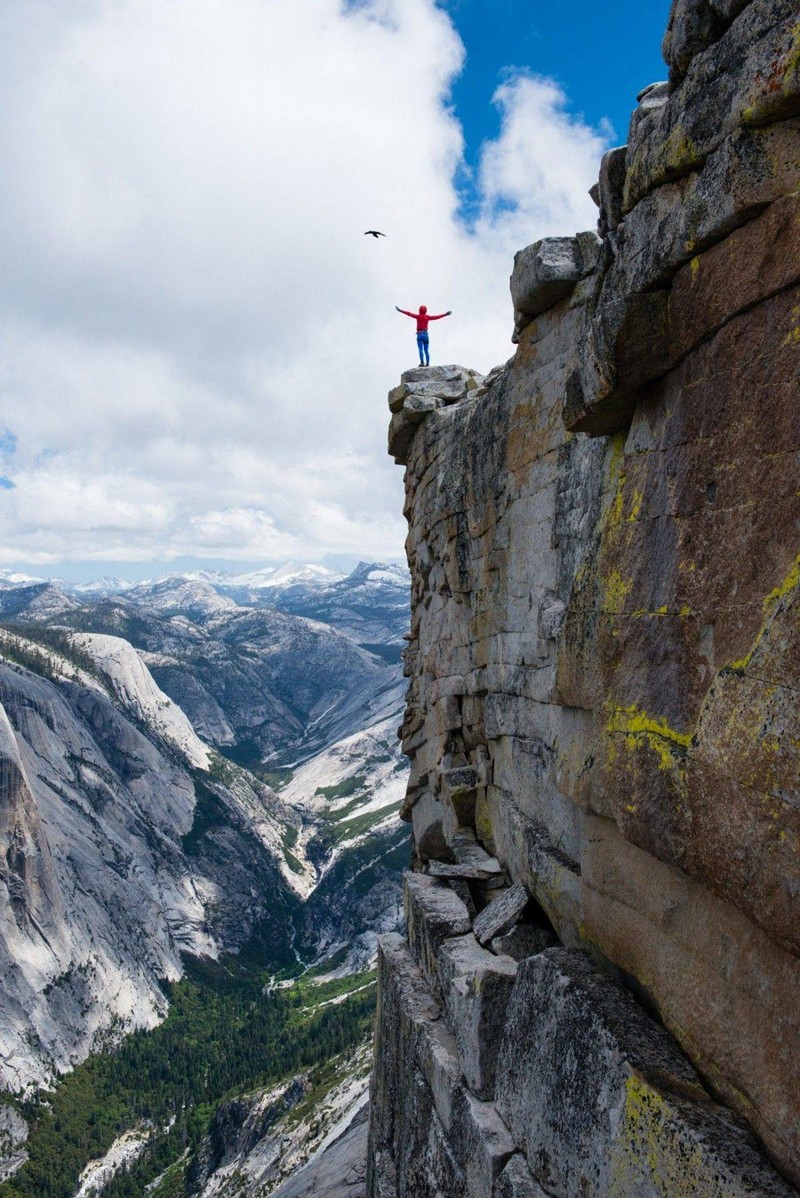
(374, 233)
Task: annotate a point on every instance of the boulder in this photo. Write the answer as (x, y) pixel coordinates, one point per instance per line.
(501, 914)
(524, 940)
(545, 273)
(434, 913)
(476, 987)
(610, 188)
(693, 27)
(428, 818)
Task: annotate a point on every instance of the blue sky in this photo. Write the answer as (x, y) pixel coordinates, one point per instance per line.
(601, 52)
(196, 339)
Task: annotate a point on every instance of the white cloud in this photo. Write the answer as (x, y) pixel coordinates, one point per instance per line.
(197, 338)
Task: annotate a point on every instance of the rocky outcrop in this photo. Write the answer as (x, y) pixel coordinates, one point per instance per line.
(603, 538)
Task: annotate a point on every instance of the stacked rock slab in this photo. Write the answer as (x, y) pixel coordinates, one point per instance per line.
(604, 669)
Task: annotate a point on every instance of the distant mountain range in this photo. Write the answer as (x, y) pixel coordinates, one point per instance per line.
(370, 605)
(269, 586)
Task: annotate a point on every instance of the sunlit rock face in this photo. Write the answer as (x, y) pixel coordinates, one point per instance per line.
(101, 885)
(603, 539)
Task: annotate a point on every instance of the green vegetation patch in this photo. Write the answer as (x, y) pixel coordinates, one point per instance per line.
(349, 829)
(294, 863)
(227, 1033)
(245, 753)
(342, 790)
(277, 779)
(37, 657)
(289, 837)
(209, 812)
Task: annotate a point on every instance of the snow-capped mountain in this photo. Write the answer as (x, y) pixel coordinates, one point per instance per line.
(13, 578)
(99, 587)
(36, 601)
(179, 593)
(370, 605)
(288, 575)
(270, 586)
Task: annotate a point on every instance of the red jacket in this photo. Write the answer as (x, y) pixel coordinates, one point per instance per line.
(422, 318)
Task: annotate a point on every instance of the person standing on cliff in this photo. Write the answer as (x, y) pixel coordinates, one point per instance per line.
(422, 318)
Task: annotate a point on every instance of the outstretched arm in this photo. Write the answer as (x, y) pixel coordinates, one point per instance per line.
(411, 314)
(441, 316)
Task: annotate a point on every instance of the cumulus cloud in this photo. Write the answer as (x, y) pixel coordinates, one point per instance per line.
(195, 336)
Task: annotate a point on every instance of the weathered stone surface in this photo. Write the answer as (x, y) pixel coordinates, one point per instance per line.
(517, 1181)
(476, 987)
(440, 869)
(751, 265)
(669, 226)
(636, 335)
(544, 273)
(693, 27)
(611, 186)
(633, 1118)
(428, 1134)
(401, 434)
(408, 1152)
(396, 397)
(702, 160)
(726, 10)
(749, 78)
(724, 989)
(665, 751)
(482, 1144)
(462, 889)
(523, 941)
(649, 99)
(434, 913)
(501, 914)
(472, 861)
(425, 390)
(428, 818)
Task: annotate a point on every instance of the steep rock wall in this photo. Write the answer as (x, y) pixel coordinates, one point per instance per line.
(602, 710)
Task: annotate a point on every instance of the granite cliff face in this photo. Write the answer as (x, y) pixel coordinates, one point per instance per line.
(598, 993)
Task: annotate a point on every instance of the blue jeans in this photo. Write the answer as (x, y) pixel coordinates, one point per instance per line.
(422, 346)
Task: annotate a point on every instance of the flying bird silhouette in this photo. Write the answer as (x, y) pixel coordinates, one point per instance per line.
(374, 233)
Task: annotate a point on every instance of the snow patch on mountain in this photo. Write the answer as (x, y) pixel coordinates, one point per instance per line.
(13, 578)
(36, 601)
(366, 766)
(191, 596)
(100, 587)
(289, 574)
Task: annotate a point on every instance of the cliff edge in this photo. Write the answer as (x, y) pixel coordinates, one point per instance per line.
(597, 994)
